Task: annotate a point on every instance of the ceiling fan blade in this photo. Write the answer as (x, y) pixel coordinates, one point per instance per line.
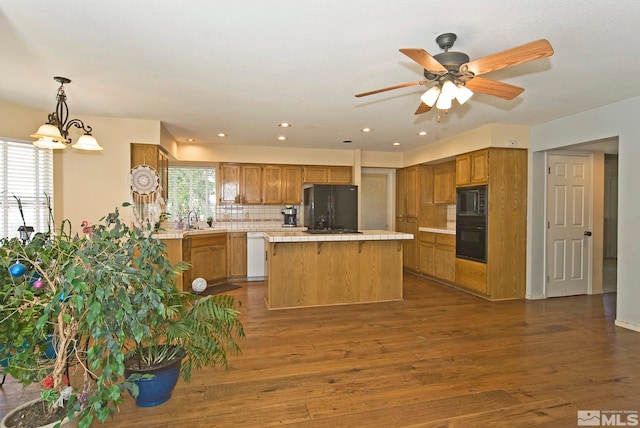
(514, 56)
(404, 85)
(422, 108)
(423, 58)
(492, 87)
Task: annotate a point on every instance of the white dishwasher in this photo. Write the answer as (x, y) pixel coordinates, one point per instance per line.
(256, 256)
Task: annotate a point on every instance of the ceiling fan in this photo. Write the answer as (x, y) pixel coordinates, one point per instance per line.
(454, 76)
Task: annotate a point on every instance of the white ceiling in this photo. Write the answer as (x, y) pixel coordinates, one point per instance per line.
(208, 66)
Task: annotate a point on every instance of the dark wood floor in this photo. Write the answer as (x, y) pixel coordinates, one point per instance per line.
(440, 358)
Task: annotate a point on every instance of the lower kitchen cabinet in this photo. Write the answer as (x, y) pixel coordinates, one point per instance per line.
(438, 255)
(236, 255)
(410, 247)
(208, 257)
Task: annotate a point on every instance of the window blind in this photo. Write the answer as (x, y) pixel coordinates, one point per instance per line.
(27, 174)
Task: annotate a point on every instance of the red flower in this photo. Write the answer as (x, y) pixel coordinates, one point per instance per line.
(47, 382)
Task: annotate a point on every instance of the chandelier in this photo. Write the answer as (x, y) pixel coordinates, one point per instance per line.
(55, 133)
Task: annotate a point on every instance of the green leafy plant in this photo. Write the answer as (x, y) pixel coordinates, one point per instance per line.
(99, 300)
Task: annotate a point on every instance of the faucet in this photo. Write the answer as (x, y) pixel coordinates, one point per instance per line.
(195, 215)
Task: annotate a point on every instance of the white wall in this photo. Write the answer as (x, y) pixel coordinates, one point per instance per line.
(618, 119)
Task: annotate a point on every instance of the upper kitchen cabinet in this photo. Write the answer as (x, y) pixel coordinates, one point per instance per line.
(472, 168)
(229, 175)
(292, 185)
(444, 183)
(407, 196)
(282, 184)
(156, 157)
(327, 174)
(251, 184)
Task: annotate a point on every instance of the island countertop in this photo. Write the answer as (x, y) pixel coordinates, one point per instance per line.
(365, 235)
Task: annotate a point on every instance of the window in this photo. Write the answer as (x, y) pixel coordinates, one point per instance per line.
(26, 174)
(192, 188)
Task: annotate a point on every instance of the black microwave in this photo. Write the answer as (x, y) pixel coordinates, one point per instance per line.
(471, 201)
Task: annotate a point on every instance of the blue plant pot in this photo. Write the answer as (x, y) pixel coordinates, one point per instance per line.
(156, 390)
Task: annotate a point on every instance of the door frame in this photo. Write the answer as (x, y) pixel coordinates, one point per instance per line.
(589, 208)
(537, 257)
(391, 191)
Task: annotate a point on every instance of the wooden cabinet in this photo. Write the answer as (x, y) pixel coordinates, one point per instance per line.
(503, 276)
(410, 247)
(407, 196)
(445, 255)
(315, 174)
(472, 168)
(229, 175)
(272, 184)
(157, 158)
(437, 255)
(427, 257)
(251, 184)
(291, 185)
(236, 255)
(208, 257)
(444, 188)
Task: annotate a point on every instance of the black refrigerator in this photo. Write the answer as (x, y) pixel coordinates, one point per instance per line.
(333, 207)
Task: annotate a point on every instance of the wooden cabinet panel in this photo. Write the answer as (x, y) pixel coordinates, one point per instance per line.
(236, 255)
(471, 275)
(410, 247)
(316, 174)
(444, 183)
(292, 185)
(208, 257)
(251, 184)
(427, 247)
(472, 168)
(401, 205)
(272, 180)
(339, 175)
(229, 183)
(327, 174)
(426, 185)
(157, 158)
(411, 194)
(445, 267)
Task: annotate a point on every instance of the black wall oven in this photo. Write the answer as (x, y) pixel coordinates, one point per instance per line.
(471, 223)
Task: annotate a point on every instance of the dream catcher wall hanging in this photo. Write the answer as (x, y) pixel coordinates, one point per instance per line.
(146, 195)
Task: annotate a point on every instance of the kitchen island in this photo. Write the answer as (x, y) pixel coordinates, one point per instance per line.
(333, 269)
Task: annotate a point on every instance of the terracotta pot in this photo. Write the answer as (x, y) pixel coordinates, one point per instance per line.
(66, 423)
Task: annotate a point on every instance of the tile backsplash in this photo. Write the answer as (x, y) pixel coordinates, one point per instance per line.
(251, 213)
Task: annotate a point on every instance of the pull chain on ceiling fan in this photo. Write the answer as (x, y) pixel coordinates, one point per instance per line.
(455, 77)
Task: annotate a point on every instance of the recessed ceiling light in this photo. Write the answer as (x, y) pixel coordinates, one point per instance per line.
(190, 140)
(396, 144)
(347, 142)
(285, 125)
(282, 138)
(366, 130)
(422, 133)
(222, 135)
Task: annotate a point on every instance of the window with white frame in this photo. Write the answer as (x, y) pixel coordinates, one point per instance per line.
(191, 189)
(26, 187)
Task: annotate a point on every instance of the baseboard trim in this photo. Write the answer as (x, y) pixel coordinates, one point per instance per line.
(628, 325)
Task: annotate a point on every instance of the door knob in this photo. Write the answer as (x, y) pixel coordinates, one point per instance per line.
(587, 233)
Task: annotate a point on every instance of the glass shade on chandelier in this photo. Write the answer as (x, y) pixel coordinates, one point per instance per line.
(442, 95)
(55, 133)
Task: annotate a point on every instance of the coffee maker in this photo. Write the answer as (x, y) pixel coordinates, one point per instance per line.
(290, 216)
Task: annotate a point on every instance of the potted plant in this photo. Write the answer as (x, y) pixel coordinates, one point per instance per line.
(103, 298)
(210, 221)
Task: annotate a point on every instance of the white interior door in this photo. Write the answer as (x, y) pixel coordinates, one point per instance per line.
(374, 202)
(568, 252)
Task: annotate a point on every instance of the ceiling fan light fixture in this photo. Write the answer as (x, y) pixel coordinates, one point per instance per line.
(444, 103)
(463, 94)
(449, 90)
(430, 97)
